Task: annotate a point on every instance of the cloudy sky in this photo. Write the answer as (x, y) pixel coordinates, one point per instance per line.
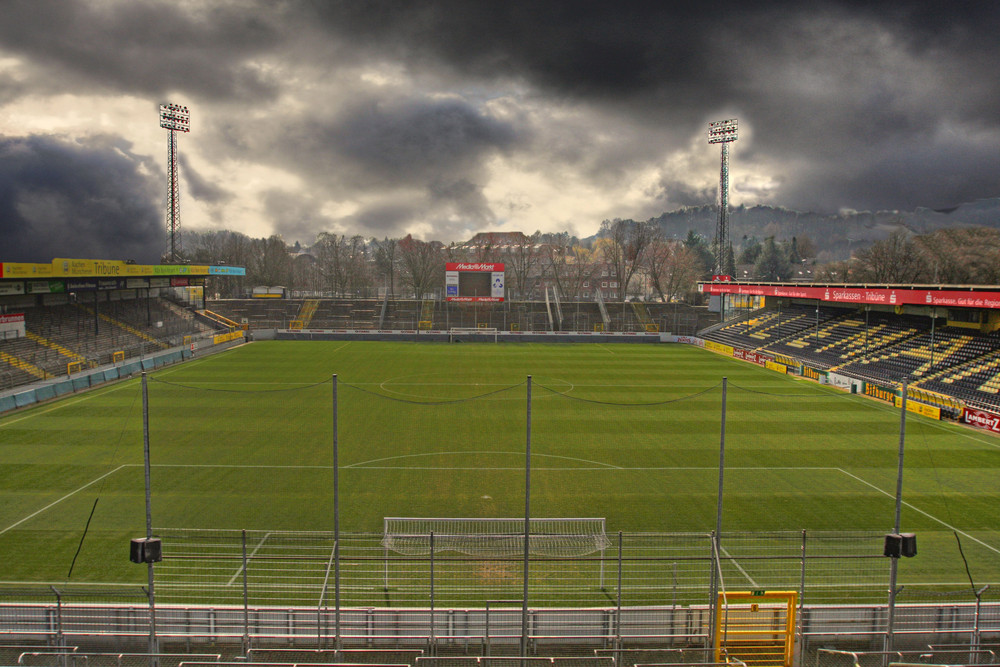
(442, 118)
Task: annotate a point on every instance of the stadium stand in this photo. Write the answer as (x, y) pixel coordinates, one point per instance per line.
(71, 333)
(412, 314)
(881, 347)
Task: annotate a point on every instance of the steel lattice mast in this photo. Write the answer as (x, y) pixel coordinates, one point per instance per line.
(174, 118)
(723, 132)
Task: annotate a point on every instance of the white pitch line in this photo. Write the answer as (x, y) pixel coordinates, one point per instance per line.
(740, 568)
(234, 466)
(249, 556)
(926, 514)
(365, 464)
(69, 401)
(56, 502)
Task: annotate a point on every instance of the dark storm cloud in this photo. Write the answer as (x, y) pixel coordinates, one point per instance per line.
(589, 47)
(200, 188)
(294, 216)
(143, 47)
(387, 219)
(958, 173)
(842, 103)
(416, 141)
(67, 199)
(818, 82)
(378, 143)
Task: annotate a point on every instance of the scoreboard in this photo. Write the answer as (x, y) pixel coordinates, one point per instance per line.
(474, 282)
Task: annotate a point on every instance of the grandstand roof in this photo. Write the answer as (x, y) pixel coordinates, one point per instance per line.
(64, 274)
(954, 296)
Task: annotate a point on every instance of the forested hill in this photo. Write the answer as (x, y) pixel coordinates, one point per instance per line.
(831, 233)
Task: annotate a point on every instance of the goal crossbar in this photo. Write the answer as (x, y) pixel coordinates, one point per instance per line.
(497, 537)
(457, 333)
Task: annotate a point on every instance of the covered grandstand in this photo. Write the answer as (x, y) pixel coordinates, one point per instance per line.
(941, 341)
(72, 316)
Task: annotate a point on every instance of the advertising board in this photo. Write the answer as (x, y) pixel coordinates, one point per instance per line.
(888, 296)
(981, 419)
(472, 282)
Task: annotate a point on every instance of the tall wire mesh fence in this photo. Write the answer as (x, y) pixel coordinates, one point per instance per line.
(275, 523)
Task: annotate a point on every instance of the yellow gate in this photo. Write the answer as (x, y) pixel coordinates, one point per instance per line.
(756, 627)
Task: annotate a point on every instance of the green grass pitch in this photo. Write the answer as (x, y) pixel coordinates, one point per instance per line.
(243, 439)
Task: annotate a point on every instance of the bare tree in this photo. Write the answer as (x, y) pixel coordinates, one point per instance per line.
(835, 272)
(387, 262)
(222, 247)
(896, 259)
(330, 251)
(270, 263)
(672, 268)
(625, 244)
(963, 256)
(520, 256)
(423, 264)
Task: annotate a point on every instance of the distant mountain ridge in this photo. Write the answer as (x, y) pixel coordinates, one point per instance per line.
(835, 236)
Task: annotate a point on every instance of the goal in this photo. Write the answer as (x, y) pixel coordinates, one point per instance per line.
(495, 538)
(473, 334)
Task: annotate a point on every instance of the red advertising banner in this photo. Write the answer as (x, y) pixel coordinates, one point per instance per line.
(752, 357)
(981, 419)
(863, 295)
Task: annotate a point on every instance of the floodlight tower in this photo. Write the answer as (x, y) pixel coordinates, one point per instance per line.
(723, 132)
(175, 118)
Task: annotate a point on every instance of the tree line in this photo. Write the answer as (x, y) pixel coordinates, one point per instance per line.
(626, 258)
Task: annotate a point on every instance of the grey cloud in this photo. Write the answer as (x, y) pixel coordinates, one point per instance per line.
(959, 173)
(67, 199)
(388, 218)
(143, 46)
(201, 189)
(295, 218)
(875, 104)
(818, 82)
(418, 140)
(465, 198)
(677, 193)
(376, 144)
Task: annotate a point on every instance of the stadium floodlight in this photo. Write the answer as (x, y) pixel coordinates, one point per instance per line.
(723, 132)
(175, 118)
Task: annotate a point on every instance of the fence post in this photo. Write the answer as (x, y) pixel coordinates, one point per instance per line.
(433, 644)
(246, 601)
(150, 591)
(894, 563)
(717, 534)
(800, 621)
(60, 640)
(527, 528)
(336, 524)
(618, 612)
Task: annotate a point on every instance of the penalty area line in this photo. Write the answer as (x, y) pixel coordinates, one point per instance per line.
(68, 495)
(920, 511)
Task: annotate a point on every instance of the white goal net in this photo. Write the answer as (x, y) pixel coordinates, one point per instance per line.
(498, 538)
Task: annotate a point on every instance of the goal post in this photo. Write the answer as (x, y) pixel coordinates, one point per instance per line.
(495, 538)
(481, 334)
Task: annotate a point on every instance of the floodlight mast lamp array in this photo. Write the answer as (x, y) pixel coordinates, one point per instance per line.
(723, 132)
(175, 118)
